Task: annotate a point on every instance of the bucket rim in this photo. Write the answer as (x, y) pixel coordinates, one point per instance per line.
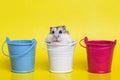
(20, 42)
(102, 43)
(66, 44)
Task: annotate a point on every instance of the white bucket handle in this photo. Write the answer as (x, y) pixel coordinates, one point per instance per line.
(43, 47)
(72, 44)
(33, 44)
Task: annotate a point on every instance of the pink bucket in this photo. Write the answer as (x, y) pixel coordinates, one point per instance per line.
(99, 54)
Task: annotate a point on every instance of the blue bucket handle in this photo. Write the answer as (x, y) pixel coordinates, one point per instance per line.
(8, 40)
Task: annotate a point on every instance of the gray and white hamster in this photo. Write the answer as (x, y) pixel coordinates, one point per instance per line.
(59, 34)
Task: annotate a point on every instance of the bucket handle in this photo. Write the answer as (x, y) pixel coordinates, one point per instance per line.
(115, 41)
(86, 40)
(80, 42)
(15, 56)
(43, 47)
(43, 43)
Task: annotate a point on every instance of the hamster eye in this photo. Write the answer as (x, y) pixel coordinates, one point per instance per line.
(53, 32)
(60, 32)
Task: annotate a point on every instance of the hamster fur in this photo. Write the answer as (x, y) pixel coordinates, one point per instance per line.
(59, 34)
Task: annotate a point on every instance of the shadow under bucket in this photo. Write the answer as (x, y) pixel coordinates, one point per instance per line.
(61, 57)
(22, 54)
(99, 54)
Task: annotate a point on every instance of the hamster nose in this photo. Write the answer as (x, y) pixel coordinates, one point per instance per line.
(56, 37)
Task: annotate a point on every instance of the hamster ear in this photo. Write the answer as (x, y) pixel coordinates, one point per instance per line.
(67, 32)
(64, 27)
(51, 28)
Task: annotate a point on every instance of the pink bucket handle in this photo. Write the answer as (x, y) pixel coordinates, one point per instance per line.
(115, 41)
(85, 40)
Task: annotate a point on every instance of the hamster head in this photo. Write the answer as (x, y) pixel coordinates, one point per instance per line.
(57, 32)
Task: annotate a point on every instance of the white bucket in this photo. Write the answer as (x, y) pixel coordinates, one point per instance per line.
(61, 57)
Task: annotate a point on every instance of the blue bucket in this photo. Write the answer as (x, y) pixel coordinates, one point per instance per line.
(22, 54)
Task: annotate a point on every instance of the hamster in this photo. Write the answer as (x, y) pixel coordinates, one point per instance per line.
(59, 34)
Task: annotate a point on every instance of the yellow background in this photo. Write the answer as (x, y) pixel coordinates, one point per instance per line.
(27, 19)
